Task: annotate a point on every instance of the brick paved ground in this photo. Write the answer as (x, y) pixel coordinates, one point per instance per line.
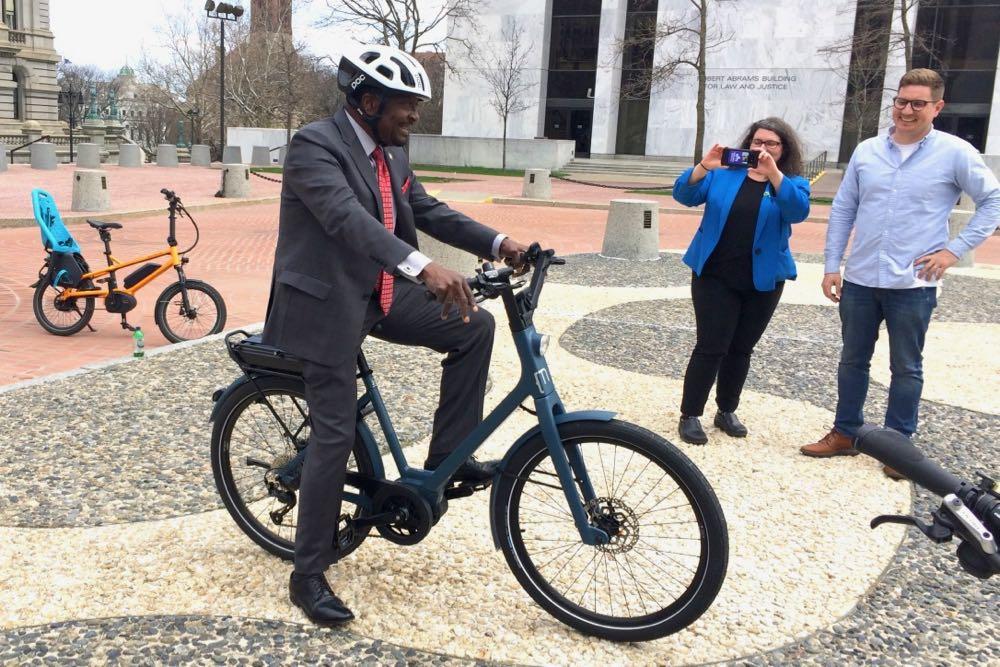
(236, 250)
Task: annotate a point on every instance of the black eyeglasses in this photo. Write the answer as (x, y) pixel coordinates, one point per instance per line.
(917, 105)
(770, 143)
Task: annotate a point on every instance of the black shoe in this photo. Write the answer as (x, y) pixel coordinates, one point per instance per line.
(730, 423)
(311, 594)
(470, 471)
(691, 431)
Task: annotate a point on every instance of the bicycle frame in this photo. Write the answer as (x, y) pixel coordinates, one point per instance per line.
(535, 382)
(174, 261)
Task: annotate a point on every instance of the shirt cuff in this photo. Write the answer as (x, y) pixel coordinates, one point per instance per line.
(413, 265)
(831, 266)
(496, 245)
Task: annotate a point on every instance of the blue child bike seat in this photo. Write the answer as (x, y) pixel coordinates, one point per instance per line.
(55, 236)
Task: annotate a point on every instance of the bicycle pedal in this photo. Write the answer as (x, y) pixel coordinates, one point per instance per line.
(466, 489)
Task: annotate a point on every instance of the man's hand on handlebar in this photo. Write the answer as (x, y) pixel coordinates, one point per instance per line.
(513, 254)
(451, 289)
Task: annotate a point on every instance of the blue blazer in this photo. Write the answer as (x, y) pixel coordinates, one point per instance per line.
(772, 260)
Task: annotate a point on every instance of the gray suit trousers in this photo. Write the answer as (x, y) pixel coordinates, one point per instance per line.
(331, 392)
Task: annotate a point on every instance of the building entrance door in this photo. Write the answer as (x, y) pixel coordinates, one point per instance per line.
(569, 123)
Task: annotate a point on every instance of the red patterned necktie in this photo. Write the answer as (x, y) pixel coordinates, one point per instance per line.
(384, 287)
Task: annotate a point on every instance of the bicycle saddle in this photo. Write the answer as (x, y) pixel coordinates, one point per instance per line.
(97, 224)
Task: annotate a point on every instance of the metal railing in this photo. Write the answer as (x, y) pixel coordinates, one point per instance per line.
(815, 166)
(44, 137)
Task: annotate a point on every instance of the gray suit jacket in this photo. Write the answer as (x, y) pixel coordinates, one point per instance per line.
(332, 244)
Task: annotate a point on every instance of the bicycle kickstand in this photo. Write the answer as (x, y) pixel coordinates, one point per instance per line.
(126, 325)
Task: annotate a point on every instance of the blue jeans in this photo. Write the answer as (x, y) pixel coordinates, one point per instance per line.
(907, 313)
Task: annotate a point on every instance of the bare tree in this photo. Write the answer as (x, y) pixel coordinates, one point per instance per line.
(400, 23)
(655, 54)
(882, 28)
(503, 68)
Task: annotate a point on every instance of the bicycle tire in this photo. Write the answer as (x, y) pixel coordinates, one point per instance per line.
(707, 527)
(244, 398)
(38, 303)
(193, 287)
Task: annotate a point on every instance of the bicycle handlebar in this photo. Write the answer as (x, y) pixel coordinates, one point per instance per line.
(970, 511)
(896, 451)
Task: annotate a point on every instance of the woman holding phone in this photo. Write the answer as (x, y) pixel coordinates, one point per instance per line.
(740, 259)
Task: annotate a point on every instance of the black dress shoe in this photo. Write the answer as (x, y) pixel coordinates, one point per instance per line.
(311, 594)
(470, 471)
(730, 424)
(691, 431)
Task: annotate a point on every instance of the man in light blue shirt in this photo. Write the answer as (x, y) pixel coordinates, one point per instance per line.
(896, 196)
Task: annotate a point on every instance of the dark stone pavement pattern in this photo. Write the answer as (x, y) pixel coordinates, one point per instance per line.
(924, 610)
(185, 640)
(131, 442)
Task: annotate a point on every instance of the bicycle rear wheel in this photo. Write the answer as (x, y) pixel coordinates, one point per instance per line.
(204, 315)
(249, 444)
(669, 550)
(62, 317)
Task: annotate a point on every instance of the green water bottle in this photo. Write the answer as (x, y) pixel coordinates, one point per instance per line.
(138, 351)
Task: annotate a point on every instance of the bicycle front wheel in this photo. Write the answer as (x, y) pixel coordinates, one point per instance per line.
(669, 547)
(203, 314)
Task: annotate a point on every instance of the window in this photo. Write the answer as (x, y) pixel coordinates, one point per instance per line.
(18, 97)
(10, 14)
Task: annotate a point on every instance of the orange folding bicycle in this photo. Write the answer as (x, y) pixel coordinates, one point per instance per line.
(67, 289)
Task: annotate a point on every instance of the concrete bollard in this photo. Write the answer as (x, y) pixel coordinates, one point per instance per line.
(537, 184)
(447, 256)
(90, 190)
(166, 155)
(130, 156)
(232, 155)
(88, 156)
(43, 155)
(959, 218)
(235, 181)
(201, 156)
(282, 152)
(633, 230)
(3, 158)
(261, 156)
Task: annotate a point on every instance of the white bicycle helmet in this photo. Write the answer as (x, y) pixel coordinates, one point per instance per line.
(383, 68)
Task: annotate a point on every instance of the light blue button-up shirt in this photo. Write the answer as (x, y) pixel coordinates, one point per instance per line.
(899, 209)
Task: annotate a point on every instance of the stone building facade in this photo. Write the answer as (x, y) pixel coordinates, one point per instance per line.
(29, 94)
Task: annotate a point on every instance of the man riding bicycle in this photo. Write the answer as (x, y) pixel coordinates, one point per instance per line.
(347, 265)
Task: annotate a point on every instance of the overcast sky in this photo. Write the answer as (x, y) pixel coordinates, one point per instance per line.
(109, 33)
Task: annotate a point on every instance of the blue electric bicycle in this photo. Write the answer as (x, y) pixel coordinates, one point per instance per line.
(609, 527)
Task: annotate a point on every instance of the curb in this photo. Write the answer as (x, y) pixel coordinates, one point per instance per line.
(117, 361)
(80, 218)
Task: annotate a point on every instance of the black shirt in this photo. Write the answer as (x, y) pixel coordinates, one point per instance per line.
(732, 258)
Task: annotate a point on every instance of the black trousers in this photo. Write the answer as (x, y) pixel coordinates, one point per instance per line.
(331, 392)
(729, 323)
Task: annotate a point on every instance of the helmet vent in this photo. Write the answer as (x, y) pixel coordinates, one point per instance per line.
(404, 72)
(385, 71)
(369, 56)
(420, 77)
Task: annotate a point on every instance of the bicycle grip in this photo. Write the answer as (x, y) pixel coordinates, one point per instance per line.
(896, 451)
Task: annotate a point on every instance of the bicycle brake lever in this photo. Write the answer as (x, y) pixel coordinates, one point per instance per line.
(935, 532)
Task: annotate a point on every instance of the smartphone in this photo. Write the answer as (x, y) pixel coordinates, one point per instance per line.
(739, 158)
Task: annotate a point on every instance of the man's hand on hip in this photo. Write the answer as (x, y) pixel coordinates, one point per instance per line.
(512, 253)
(833, 286)
(451, 289)
(933, 266)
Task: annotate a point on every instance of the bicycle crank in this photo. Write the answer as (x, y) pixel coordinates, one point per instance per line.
(411, 517)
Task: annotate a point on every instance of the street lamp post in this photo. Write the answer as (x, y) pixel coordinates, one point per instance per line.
(192, 113)
(224, 11)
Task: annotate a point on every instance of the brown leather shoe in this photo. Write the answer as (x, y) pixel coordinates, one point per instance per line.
(833, 443)
(892, 473)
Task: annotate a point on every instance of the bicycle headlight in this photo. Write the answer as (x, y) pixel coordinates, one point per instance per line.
(543, 344)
